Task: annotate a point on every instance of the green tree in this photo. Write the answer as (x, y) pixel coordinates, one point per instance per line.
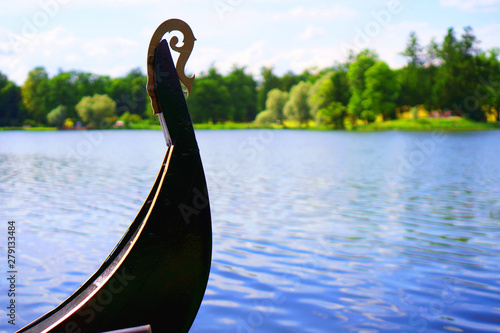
(96, 109)
(416, 85)
(275, 103)
(266, 117)
(341, 91)
(458, 77)
(488, 92)
(297, 107)
(62, 91)
(57, 116)
(88, 84)
(381, 92)
(210, 99)
(333, 86)
(269, 82)
(288, 80)
(35, 93)
(413, 51)
(10, 98)
(334, 113)
(129, 92)
(322, 93)
(242, 90)
(68, 88)
(276, 100)
(415, 80)
(356, 76)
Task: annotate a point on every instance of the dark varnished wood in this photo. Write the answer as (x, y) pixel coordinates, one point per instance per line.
(158, 272)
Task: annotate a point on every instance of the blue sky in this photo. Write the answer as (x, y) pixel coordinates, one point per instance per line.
(111, 37)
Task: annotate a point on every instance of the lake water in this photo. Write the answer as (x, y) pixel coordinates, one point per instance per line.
(313, 231)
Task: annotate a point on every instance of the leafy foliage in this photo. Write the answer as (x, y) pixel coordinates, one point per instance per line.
(297, 107)
(129, 93)
(275, 104)
(10, 98)
(334, 113)
(209, 99)
(276, 100)
(356, 76)
(35, 94)
(333, 86)
(413, 51)
(242, 94)
(58, 116)
(381, 92)
(266, 117)
(96, 109)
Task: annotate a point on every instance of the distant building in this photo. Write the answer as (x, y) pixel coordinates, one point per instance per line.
(440, 114)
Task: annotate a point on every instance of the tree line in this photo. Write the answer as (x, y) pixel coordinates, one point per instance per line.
(453, 75)
(71, 96)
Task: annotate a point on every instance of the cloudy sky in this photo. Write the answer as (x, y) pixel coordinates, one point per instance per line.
(111, 36)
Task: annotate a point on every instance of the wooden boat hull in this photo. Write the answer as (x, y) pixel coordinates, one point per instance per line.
(157, 274)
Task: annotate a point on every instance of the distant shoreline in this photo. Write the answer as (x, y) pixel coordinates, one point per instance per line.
(421, 124)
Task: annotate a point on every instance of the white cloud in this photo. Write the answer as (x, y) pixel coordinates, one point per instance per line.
(262, 53)
(60, 48)
(311, 32)
(250, 57)
(471, 5)
(117, 3)
(396, 33)
(254, 52)
(488, 36)
(317, 14)
(203, 58)
(109, 47)
(299, 59)
(253, 34)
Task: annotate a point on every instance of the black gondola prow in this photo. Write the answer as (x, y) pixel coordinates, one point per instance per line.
(158, 272)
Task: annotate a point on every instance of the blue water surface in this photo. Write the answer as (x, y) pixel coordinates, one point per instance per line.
(313, 231)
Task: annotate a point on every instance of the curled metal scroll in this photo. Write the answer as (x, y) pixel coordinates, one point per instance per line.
(184, 53)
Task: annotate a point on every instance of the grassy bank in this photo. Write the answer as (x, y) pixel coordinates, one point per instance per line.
(37, 128)
(227, 125)
(288, 124)
(429, 124)
(422, 124)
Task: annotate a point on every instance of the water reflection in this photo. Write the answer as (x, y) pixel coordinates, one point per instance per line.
(313, 231)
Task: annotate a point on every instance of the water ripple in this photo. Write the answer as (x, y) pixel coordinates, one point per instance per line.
(313, 231)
